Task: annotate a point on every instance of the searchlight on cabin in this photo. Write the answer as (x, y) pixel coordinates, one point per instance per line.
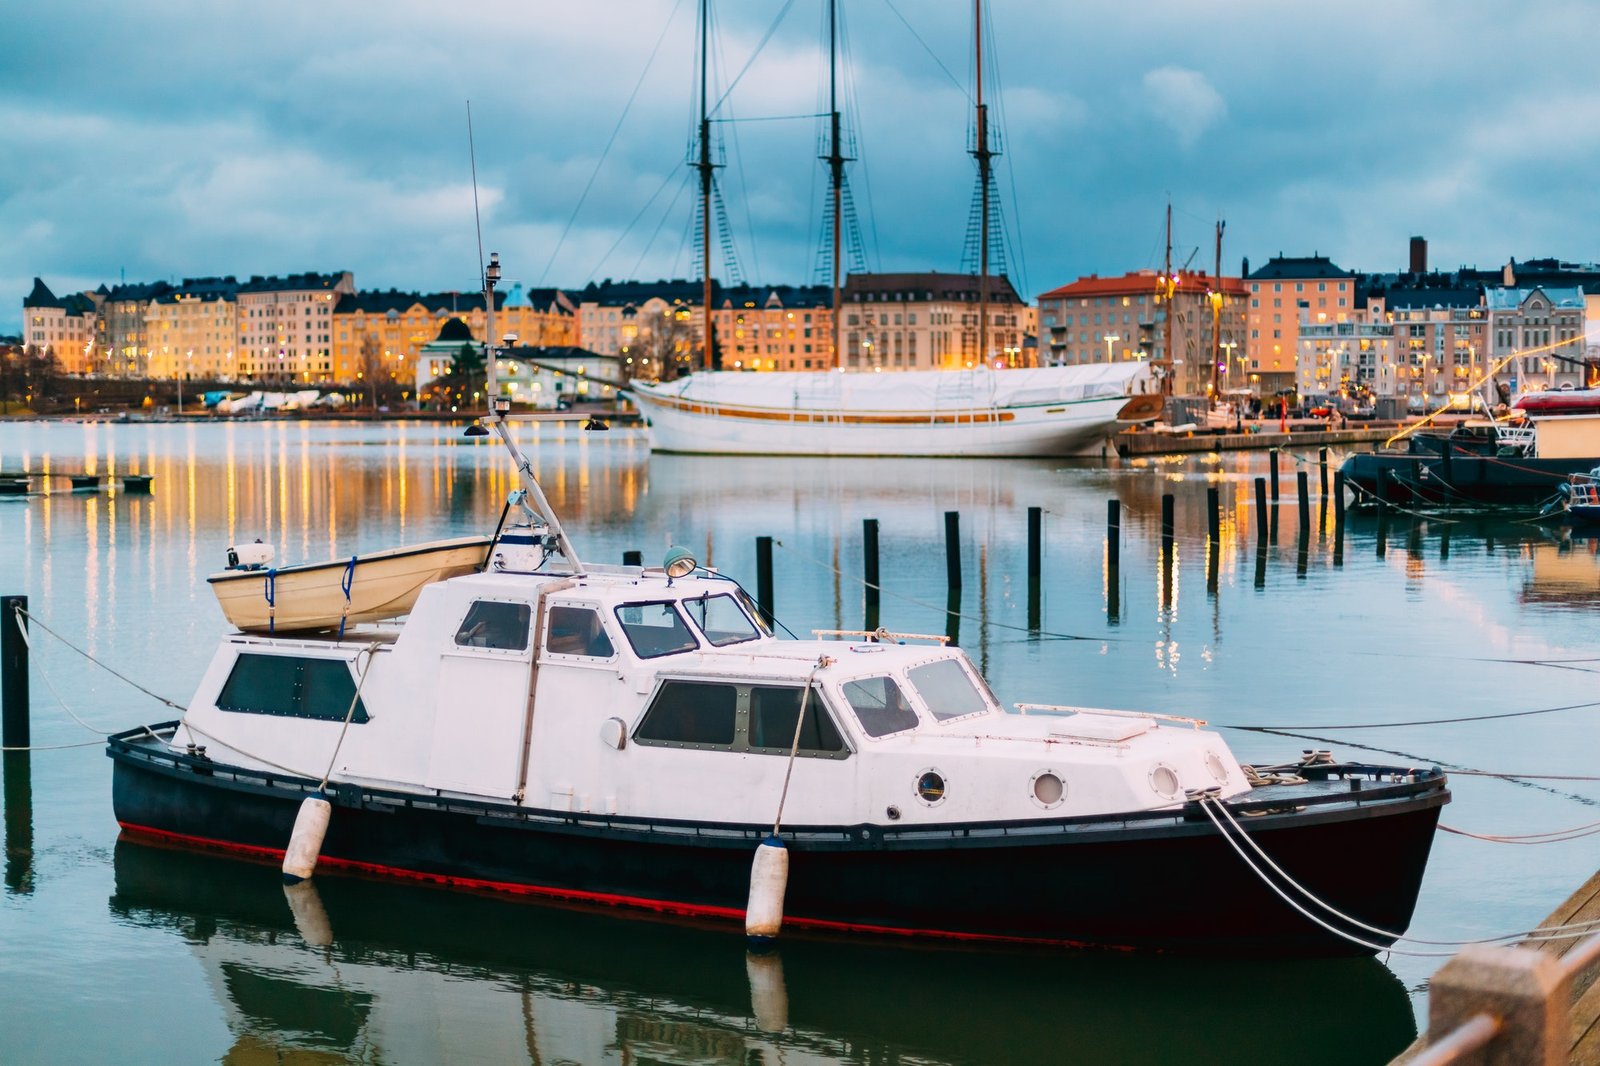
(679, 561)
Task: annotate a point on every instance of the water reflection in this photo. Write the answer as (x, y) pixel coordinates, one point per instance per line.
(412, 974)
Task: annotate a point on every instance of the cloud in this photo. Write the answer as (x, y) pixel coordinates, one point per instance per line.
(1183, 100)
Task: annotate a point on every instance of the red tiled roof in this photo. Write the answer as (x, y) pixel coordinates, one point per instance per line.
(1142, 281)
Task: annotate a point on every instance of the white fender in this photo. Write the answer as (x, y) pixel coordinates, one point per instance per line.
(305, 842)
(769, 879)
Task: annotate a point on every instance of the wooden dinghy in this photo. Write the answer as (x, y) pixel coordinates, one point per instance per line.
(363, 588)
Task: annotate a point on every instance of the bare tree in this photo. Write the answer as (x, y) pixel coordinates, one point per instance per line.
(370, 365)
(665, 349)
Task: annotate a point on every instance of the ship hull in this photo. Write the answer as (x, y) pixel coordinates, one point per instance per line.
(1462, 480)
(1164, 881)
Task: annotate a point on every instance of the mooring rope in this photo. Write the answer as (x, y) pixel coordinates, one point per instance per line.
(372, 651)
(794, 749)
(1414, 722)
(32, 618)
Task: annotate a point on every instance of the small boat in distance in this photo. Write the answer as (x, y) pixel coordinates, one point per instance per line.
(1519, 463)
(258, 597)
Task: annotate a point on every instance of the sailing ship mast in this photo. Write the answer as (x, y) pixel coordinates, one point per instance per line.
(985, 157)
(706, 169)
(836, 161)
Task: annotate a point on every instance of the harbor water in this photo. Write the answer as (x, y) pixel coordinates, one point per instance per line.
(112, 950)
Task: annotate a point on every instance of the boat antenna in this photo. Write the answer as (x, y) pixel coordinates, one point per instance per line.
(487, 276)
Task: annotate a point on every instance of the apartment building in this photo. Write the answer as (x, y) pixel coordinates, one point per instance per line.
(1283, 294)
(61, 326)
(1539, 333)
(1096, 320)
(929, 321)
(774, 327)
(193, 331)
(286, 327)
(121, 331)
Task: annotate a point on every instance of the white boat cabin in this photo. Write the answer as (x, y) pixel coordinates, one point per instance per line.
(621, 692)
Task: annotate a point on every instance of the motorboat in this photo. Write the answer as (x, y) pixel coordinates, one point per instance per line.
(256, 596)
(1521, 462)
(982, 412)
(1582, 496)
(638, 738)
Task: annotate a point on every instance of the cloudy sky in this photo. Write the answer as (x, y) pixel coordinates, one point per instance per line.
(187, 138)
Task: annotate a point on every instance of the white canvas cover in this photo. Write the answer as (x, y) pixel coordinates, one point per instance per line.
(862, 392)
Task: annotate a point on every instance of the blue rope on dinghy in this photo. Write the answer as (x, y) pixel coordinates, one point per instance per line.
(344, 584)
(271, 592)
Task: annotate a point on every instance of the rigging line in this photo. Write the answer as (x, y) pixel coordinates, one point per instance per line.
(749, 220)
(953, 79)
(53, 747)
(477, 219)
(666, 214)
(765, 118)
(1425, 721)
(984, 622)
(594, 273)
(573, 218)
(783, 11)
(34, 620)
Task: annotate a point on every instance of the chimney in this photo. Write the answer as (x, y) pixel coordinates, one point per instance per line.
(1419, 255)
(1508, 277)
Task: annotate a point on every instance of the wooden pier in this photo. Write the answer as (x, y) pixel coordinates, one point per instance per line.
(1146, 442)
(1538, 1005)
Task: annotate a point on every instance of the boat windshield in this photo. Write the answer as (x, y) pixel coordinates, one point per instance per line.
(947, 689)
(655, 629)
(879, 706)
(721, 620)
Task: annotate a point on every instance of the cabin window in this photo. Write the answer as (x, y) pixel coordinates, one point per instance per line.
(721, 620)
(691, 712)
(947, 689)
(291, 687)
(772, 719)
(655, 629)
(879, 706)
(577, 631)
(495, 624)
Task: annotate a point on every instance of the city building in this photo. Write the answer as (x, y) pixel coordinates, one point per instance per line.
(1539, 332)
(773, 327)
(544, 377)
(122, 338)
(1283, 294)
(1095, 320)
(193, 331)
(286, 327)
(929, 321)
(60, 326)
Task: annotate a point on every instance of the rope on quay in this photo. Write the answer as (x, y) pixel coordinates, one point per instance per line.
(1554, 837)
(942, 610)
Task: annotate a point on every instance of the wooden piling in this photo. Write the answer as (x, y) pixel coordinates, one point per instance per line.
(1322, 465)
(1305, 503)
(1035, 563)
(1166, 523)
(1261, 510)
(952, 550)
(1274, 453)
(1213, 515)
(14, 728)
(1113, 533)
(764, 577)
(869, 569)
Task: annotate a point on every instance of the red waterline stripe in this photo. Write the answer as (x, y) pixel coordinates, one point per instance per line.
(689, 910)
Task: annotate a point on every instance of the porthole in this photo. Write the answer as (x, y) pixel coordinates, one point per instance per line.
(1048, 789)
(930, 787)
(1164, 780)
(1214, 764)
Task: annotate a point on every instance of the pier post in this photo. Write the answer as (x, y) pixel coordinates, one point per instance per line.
(764, 577)
(13, 673)
(1261, 510)
(1274, 453)
(1338, 518)
(18, 818)
(1166, 523)
(1322, 464)
(1113, 533)
(952, 550)
(1035, 562)
(1213, 517)
(1528, 991)
(633, 558)
(869, 569)
(1305, 503)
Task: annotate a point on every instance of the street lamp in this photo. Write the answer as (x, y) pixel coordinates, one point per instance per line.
(1110, 339)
